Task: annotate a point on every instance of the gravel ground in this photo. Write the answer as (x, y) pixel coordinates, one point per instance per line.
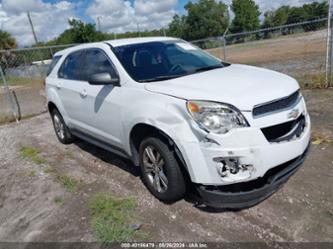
(300, 211)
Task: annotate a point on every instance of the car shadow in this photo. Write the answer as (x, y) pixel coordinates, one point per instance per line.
(193, 198)
(100, 98)
(127, 165)
(109, 157)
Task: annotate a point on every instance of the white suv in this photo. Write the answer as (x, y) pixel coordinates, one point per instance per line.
(236, 133)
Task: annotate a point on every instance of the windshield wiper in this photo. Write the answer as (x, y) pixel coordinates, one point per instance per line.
(169, 77)
(163, 77)
(203, 69)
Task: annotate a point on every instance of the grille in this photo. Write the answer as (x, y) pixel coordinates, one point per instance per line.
(276, 105)
(285, 131)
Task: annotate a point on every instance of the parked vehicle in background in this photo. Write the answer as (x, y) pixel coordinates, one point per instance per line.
(234, 132)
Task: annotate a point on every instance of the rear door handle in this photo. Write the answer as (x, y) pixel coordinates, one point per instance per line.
(58, 86)
(83, 93)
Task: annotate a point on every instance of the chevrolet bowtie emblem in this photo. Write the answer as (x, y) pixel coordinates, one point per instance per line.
(293, 114)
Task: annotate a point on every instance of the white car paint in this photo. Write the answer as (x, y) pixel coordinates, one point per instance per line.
(163, 105)
(239, 85)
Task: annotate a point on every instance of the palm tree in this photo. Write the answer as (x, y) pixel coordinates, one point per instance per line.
(6, 40)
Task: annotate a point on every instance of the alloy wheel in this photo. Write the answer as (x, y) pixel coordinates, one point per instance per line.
(153, 164)
(59, 126)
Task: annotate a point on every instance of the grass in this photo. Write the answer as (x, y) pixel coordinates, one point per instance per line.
(32, 154)
(70, 183)
(58, 200)
(299, 55)
(26, 174)
(111, 218)
(32, 173)
(312, 81)
(24, 81)
(7, 118)
(319, 139)
(49, 169)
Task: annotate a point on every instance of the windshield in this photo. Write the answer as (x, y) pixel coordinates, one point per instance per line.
(155, 61)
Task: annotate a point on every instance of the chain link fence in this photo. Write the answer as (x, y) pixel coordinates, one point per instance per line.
(297, 49)
(23, 72)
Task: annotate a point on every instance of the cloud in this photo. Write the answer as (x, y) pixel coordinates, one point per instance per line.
(121, 16)
(270, 5)
(19, 6)
(143, 7)
(49, 20)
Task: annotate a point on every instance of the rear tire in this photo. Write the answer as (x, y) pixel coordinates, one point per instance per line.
(62, 131)
(160, 170)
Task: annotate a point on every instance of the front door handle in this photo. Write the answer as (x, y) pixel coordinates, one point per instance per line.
(84, 93)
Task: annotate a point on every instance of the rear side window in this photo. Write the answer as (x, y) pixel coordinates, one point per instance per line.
(54, 62)
(71, 68)
(96, 61)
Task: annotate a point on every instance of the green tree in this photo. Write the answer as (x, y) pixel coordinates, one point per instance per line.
(79, 32)
(316, 10)
(7, 41)
(82, 32)
(176, 27)
(246, 15)
(276, 18)
(297, 14)
(205, 18)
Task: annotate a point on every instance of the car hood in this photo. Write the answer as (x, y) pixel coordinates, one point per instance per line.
(239, 85)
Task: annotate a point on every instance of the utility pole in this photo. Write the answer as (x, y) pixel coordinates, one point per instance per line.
(35, 36)
(32, 28)
(99, 24)
(329, 48)
(138, 28)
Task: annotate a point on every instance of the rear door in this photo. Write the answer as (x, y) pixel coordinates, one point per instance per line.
(71, 88)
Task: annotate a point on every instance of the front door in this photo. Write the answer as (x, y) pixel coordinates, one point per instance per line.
(101, 104)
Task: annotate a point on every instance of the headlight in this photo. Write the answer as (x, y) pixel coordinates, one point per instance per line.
(215, 117)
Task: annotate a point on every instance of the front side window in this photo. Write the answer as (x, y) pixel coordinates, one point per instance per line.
(96, 61)
(155, 61)
(71, 67)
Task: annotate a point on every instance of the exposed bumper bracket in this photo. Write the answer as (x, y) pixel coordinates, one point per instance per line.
(247, 194)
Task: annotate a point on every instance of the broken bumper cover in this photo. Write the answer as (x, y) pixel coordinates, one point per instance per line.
(247, 194)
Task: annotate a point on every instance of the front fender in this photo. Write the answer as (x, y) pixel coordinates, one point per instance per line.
(167, 116)
(171, 118)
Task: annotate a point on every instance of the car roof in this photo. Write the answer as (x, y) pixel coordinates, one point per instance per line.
(117, 43)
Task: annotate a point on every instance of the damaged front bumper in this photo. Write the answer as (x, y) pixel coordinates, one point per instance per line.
(247, 194)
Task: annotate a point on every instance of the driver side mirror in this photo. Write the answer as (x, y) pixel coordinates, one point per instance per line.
(103, 79)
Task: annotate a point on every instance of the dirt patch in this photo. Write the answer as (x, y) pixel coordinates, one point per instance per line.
(36, 206)
(300, 55)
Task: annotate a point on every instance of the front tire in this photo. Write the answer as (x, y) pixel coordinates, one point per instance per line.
(160, 170)
(62, 131)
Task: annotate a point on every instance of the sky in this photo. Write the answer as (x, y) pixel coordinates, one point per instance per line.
(50, 17)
